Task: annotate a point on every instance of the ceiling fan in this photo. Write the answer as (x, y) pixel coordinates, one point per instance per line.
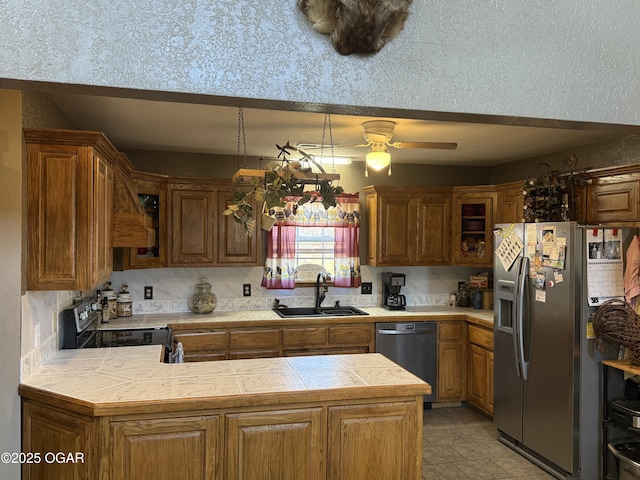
(378, 134)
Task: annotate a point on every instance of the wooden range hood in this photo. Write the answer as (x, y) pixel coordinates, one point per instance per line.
(131, 226)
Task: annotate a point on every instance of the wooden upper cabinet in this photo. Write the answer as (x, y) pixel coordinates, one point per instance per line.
(103, 188)
(407, 225)
(192, 225)
(509, 203)
(434, 225)
(69, 208)
(233, 245)
(472, 230)
(199, 233)
(396, 228)
(613, 199)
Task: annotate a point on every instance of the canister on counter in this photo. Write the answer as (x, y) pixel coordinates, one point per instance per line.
(477, 299)
(487, 299)
(124, 302)
(453, 299)
(464, 297)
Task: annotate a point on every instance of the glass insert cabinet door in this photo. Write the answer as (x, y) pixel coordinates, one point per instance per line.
(152, 196)
(472, 229)
(151, 205)
(473, 226)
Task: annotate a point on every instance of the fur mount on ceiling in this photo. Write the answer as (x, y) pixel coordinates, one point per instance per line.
(357, 26)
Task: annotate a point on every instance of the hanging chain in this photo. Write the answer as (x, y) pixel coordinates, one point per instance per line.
(327, 119)
(244, 140)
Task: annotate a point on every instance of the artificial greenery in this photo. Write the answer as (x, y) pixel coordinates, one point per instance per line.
(279, 183)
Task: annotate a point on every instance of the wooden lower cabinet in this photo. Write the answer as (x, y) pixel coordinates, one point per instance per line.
(480, 381)
(189, 448)
(48, 429)
(374, 442)
(451, 362)
(284, 444)
(490, 379)
(254, 343)
(477, 375)
(206, 344)
(363, 439)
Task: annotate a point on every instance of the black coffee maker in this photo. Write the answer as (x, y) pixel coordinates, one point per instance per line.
(391, 283)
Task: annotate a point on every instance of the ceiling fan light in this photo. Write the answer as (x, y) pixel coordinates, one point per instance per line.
(378, 158)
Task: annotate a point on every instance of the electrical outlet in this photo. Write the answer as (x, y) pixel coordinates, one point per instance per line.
(246, 290)
(148, 293)
(366, 288)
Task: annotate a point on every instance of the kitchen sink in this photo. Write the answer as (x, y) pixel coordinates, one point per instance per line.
(289, 312)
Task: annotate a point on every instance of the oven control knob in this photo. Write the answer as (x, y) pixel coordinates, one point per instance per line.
(96, 306)
(84, 315)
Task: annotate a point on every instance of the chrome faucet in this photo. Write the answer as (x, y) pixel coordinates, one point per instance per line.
(320, 292)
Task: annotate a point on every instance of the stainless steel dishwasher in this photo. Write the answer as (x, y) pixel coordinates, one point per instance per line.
(413, 346)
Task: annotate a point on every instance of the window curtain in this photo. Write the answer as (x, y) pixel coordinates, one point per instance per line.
(279, 271)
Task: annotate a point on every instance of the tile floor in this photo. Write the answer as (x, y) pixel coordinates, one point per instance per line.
(460, 443)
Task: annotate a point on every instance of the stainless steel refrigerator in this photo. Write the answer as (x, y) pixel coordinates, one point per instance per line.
(547, 393)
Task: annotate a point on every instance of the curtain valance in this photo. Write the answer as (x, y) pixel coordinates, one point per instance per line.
(280, 266)
(313, 214)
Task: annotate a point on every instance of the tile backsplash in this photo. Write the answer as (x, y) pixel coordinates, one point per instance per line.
(172, 288)
(39, 326)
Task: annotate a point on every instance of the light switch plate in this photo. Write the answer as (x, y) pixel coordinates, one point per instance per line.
(366, 288)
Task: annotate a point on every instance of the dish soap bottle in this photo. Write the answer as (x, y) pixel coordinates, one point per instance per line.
(109, 304)
(203, 300)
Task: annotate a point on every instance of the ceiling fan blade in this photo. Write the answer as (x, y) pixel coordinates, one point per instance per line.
(433, 145)
(318, 146)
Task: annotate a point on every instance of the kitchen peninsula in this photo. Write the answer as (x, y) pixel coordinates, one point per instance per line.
(465, 340)
(131, 416)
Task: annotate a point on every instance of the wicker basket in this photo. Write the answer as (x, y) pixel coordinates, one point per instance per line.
(616, 321)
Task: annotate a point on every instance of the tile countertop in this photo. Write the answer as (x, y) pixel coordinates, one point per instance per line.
(376, 314)
(125, 380)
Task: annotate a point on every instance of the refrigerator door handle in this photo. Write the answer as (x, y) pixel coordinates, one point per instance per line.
(514, 320)
(521, 292)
